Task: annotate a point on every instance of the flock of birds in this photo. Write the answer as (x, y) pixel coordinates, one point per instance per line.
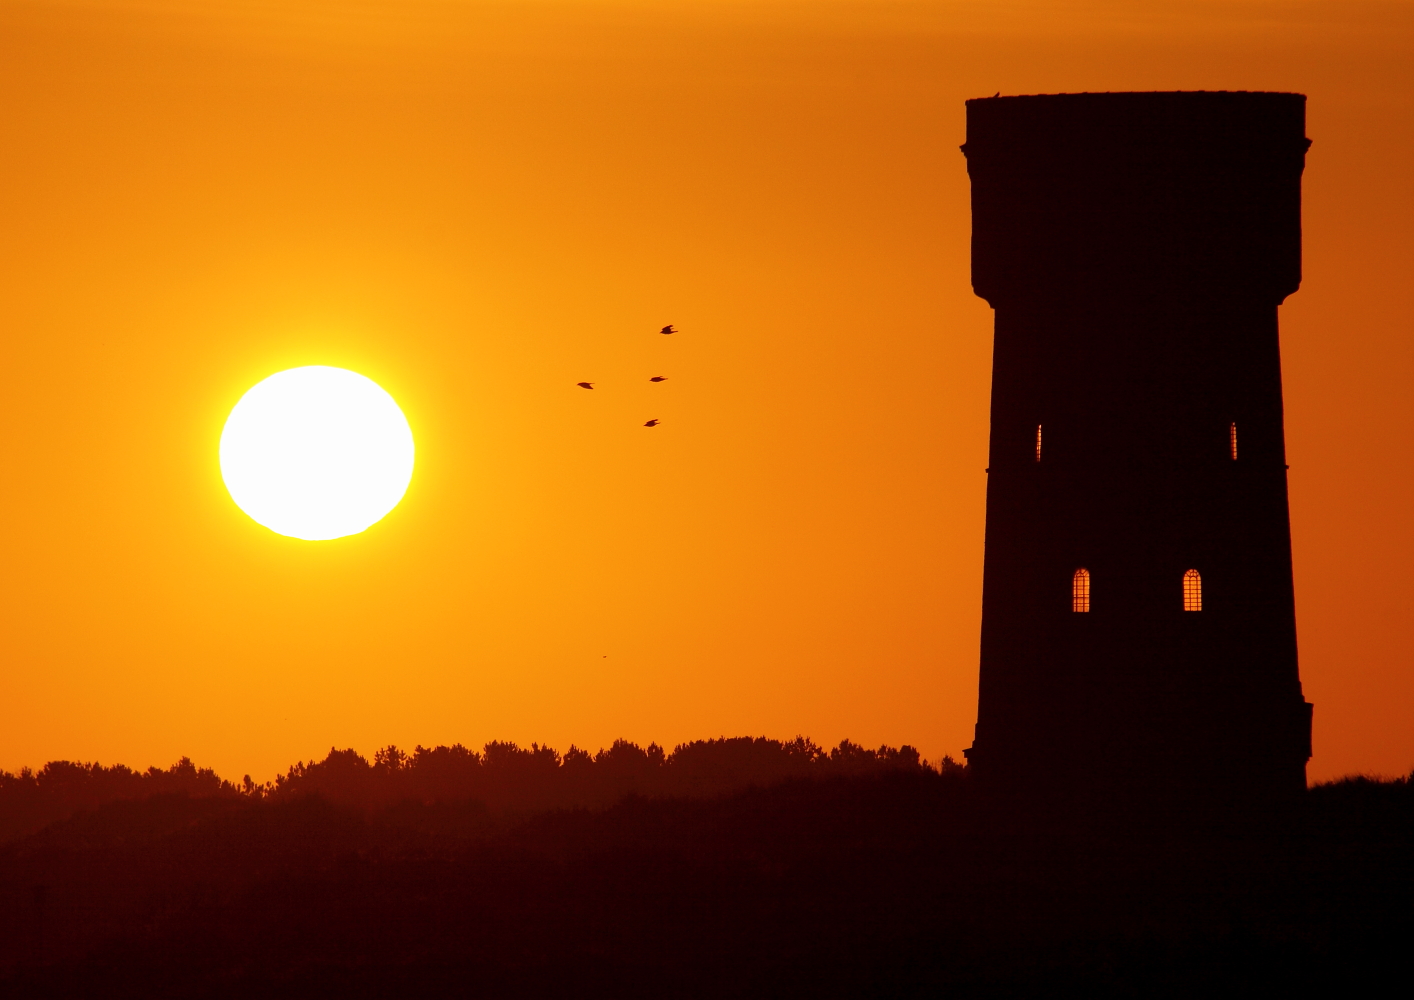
(656, 378)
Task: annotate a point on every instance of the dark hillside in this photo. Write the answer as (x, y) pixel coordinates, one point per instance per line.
(891, 881)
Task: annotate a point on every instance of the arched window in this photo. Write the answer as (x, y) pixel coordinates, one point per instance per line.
(1232, 440)
(1038, 442)
(1192, 591)
(1080, 590)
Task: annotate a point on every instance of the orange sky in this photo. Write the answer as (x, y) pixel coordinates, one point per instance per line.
(478, 204)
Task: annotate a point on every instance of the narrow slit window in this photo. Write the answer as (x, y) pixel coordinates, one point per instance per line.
(1038, 442)
(1080, 590)
(1192, 591)
(1232, 440)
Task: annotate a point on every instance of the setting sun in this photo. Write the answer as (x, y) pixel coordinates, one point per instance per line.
(316, 453)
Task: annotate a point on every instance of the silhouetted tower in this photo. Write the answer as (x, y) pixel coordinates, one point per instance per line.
(1138, 626)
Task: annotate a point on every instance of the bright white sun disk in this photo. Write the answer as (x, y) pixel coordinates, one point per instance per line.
(316, 453)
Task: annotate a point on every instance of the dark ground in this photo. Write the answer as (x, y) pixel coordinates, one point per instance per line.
(887, 882)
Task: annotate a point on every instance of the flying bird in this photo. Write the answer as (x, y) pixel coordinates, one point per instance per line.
(585, 385)
(652, 423)
(668, 329)
(658, 378)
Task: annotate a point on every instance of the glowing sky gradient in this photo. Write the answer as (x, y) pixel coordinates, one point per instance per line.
(478, 205)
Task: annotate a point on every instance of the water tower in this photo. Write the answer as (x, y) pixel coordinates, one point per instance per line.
(1138, 625)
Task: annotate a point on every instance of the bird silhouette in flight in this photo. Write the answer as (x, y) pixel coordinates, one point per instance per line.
(668, 329)
(585, 385)
(658, 378)
(652, 423)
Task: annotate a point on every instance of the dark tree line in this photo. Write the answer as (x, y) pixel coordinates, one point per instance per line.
(503, 777)
(31, 800)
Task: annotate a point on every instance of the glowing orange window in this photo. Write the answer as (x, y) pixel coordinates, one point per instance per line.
(1232, 440)
(1192, 591)
(1080, 590)
(1038, 442)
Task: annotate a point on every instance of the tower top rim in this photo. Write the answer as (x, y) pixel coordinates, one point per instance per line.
(1130, 118)
(1112, 95)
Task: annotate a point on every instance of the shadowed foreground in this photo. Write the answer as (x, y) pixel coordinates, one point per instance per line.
(857, 873)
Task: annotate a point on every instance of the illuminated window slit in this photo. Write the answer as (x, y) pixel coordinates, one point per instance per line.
(1080, 590)
(1192, 591)
(1038, 442)
(1232, 440)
